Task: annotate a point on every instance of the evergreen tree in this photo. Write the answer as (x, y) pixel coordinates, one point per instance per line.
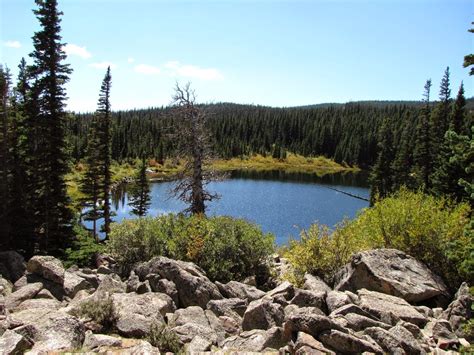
(469, 59)
(104, 136)
(422, 156)
(4, 158)
(381, 178)
(458, 122)
(401, 165)
(139, 196)
(50, 74)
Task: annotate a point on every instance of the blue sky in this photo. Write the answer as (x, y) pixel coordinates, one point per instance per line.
(278, 53)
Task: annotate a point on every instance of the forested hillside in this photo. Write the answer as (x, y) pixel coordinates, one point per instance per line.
(345, 132)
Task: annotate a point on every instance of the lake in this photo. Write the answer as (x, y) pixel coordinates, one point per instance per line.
(280, 202)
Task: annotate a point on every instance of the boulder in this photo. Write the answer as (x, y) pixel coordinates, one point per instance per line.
(292, 309)
(45, 294)
(312, 324)
(347, 343)
(337, 299)
(52, 304)
(12, 343)
(198, 344)
(306, 344)
(262, 314)
(136, 313)
(388, 308)
(96, 341)
(358, 322)
(111, 284)
(392, 272)
(305, 298)
(143, 287)
(459, 310)
(285, 289)
(48, 267)
(314, 283)
(235, 289)
(25, 293)
(255, 340)
(74, 283)
(231, 307)
(12, 265)
(392, 343)
(132, 282)
(5, 286)
(194, 288)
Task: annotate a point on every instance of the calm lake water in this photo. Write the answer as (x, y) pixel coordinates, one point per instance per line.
(281, 203)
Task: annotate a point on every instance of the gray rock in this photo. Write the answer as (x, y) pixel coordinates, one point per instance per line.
(255, 340)
(391, 343)
(96, 341)
(439, 329)
(55, 331)
(262, 314)
(198, 344)
(305, 298)
(359, 322)
(306, 344)
(285, 289)
(231, 307)
(337, 299)
(192, 314)
(348, 343)
(102, 269)
(12, 343)
(5, 287)
(392, 272)
(52, 304)
(235, 289)
(187, 332)
(194, 288)
(136, 313)
(12, 265)
(386, 307)
(311, 324)
(411, 336)
(143, 287)
(459, 310)
(132, 282)
(73, 284)
(165, 286)
(111, 284)
(45, 294)
(292, 309)
(23, 294)
(48, 267)
(314, 283)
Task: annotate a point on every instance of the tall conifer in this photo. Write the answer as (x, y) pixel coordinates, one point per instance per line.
(140, 192)
(54, 229)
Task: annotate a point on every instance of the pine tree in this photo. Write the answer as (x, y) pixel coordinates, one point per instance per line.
(469, 59)
(50, 74)
(381, 178)
(139, 196)
(422, 156)
(458, 122)
(401, 165)
(5, 81)
(104, 136)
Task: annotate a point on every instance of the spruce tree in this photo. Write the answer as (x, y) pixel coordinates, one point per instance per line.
(5, 81)
(104, 137)
(139, 196)
(381, 178)
(469, 59)
(458, 122)
(53, 214)
(422, 156)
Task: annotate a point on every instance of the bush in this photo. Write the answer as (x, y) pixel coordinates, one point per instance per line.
(164, 338)
(101, 311)
(226, 248)
(83, 250)
(426, 227)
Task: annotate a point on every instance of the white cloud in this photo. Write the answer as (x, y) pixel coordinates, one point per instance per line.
(72, 49)
(103, 65)
(147, 69)
(130, 60)
(12, 44)
(191, 71)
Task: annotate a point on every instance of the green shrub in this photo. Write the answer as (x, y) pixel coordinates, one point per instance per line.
(83, 250)
(226, 248)
(101, 311)
(426, 227)
(164, 338)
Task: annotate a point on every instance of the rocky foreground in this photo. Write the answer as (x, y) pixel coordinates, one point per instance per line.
(382, 302)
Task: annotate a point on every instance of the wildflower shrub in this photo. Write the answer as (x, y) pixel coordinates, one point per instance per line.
(426, 227)
(226, 248)
(100, 310)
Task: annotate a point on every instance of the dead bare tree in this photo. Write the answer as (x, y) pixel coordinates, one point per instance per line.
(194, 146)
